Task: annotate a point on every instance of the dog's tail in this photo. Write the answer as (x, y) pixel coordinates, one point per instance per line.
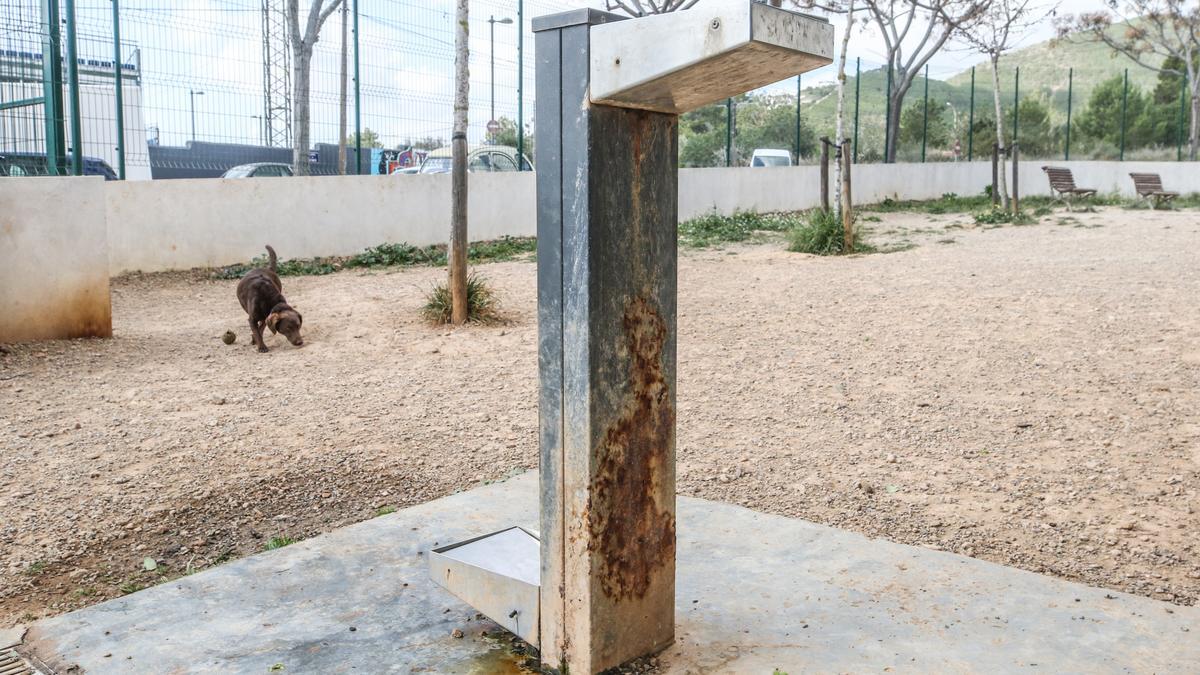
(271, 252)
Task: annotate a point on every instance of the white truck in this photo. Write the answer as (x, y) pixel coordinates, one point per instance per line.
(771, 157)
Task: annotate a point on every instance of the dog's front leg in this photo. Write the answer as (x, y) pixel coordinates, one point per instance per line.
(256, 332)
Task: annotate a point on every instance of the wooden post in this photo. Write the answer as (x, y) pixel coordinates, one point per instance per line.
(847, 204)
(1016, 196)
(825, 173)
(458, 209)
(995, 172)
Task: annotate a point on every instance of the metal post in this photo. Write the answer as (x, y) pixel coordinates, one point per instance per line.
(925, 117)
(492, 30)
(1016, 103)
(797, 119)
(1016, 190)
(52, 88)
(357, 101)
(520, 85)
(192, 93)
(1124, 103)
(971, 121)
(887, 115)
(116, 17)
(1070, 89)
(73, 79)
(857, 80)
(1183, 100)
(607, 262)
(729, 132)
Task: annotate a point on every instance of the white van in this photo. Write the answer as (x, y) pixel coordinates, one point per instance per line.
(771, 157)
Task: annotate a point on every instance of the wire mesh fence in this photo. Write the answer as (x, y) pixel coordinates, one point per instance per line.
(210, 84)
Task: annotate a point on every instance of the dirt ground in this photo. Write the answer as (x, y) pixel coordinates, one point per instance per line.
(1025, 395)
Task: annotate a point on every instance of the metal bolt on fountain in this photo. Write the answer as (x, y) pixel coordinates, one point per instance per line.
(597, 588)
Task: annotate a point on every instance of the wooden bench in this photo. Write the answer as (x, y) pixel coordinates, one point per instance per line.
(1063, 183)
(1149, 186)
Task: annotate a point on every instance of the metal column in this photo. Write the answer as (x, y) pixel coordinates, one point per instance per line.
(606, 329)
(116, 15)
(52, 89)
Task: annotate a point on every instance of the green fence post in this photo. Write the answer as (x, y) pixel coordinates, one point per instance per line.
(1070, 88)
(116, 18)
(1183, 100)
(1016, 103)
(925, 117)
(857, 80)
(887, 115)
(971, 120)
(52, 88)
(1124, 103)
(73, 78)
(357, 101)
(520, 85)
(797, 119)
(729, 132)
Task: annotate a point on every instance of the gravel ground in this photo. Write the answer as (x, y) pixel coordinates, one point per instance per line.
(1026, 395)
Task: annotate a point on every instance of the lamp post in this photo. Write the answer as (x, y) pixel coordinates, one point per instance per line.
(262, 131)
(194, 94)
(492, 21)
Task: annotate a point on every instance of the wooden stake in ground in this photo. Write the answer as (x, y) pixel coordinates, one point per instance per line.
(458, 144)
(847, 203)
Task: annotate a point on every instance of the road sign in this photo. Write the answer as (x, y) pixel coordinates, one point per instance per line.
(313, 157)
(493, 127)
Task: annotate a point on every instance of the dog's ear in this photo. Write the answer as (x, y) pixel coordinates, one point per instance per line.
(272, 320)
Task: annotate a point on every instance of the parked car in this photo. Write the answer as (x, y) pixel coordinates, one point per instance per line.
(479, 158)
(34, 164)
(771, 157)
(258, 170)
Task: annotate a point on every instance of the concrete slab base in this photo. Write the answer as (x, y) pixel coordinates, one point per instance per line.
(755, 593)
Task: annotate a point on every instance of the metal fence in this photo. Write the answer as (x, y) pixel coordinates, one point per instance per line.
(208, 84)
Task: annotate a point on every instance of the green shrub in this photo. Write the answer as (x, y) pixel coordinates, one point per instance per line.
(482, 305)
(821, 233)
(712, 229)
(389, 255)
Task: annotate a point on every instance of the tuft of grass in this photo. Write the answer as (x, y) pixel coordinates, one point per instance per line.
(713, 229)
(482, 305)
(130, 587)
(384, 510)
(822, 234)
(998, 216)
(278, 542)
(392, 255)
(35, 569)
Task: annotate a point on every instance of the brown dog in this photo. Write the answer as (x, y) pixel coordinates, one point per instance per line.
(260, 294)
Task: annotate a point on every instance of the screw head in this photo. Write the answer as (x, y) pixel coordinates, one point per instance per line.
(716, 24)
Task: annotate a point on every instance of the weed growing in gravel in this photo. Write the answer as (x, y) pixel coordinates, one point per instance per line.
(35, 569)
(130, 587)
(712, 229)
(482, 305)
(822, 234)
(998, 216)
(278, 542)
(384, 510)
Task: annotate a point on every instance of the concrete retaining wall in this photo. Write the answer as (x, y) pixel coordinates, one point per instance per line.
(54, 266)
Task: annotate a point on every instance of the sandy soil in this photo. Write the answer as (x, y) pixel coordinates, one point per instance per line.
(1026, 395)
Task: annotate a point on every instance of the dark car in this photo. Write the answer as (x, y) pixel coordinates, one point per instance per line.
(258, 170)
(34, 164)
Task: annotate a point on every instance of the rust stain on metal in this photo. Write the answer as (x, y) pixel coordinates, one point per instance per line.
(630, 526)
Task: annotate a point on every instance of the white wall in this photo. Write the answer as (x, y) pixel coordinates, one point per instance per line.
(180, 224)
(53, 259)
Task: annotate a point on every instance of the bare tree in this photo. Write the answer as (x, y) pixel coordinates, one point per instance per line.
(913, 32)
(647, 7)
(458, 144)
(1166, 29)
(302, 51)
(994, 31)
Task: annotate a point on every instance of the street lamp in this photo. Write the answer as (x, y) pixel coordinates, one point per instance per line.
(194, 94)
(262, 129)
(492, 21)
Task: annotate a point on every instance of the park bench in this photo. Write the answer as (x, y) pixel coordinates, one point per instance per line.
(1063, 183)
(1149, 186)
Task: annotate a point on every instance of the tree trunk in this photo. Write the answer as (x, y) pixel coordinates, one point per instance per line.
(1001, 186)
(839, 124)
(893, 124)
(1194, 126)
(458, 208)
(301, 57)
(342, 103)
